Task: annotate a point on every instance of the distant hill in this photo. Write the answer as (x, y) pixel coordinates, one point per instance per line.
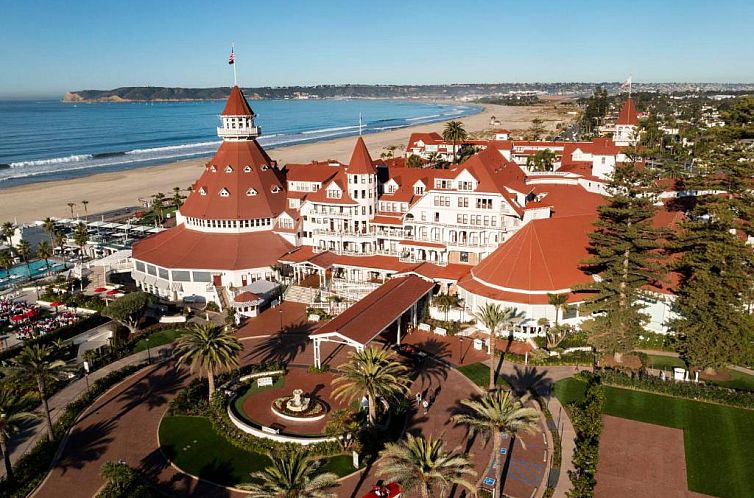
(465, 91)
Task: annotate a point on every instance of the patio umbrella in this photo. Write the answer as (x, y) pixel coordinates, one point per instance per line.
(112, 292)
(56, 304)
(29, 313)
(16, 318)
(99, 289)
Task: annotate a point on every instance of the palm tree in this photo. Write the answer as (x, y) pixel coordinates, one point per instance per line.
(157, 206)
(12, 415)
(424, 465)
(49, 226)
(373, 373)
(494, 414)
(177, 197)
(25, 251)
(292, 475)
(210, 349)
(86, 211)
(494, 317)
(6, 259)
(8, 230)
(35, 362)
(455, 133)
(557, 300)
(81, 237)
(59, 241)
(44, 251)
(70, 206)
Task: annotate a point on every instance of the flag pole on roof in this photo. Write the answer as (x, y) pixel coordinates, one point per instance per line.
(627, 84)
(360, 125)
(232, 62)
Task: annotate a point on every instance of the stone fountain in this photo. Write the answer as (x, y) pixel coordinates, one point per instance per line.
(299, 407)
(298, 403)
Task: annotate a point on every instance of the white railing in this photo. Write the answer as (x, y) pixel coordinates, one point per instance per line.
(340, 233)
(251, 131)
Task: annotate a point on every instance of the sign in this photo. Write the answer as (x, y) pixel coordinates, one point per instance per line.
(489, 481)
(270, 430)
(355, 457)
(478, 344)
(503, 451)
(86, 367)
(264, 381)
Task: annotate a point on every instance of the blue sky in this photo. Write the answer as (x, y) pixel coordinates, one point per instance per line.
(48, 47)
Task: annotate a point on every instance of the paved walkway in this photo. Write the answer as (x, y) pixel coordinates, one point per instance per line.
(25, 440)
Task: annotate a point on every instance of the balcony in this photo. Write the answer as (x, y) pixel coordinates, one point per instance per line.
(248, 132)
(343, 234)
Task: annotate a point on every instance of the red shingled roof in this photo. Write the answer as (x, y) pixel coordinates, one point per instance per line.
(363, 321)
(628, 114)
(237, 104)
(246, 297)
(180, 247)
(263, 179)
(361, 161)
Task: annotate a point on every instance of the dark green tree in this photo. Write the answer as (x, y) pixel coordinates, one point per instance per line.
(129, 309)
(454, 132)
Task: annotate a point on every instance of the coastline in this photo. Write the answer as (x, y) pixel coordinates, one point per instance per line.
(114, 190)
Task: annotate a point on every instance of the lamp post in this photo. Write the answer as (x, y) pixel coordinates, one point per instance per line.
(460, 352)
(280, 312)
(149, 353)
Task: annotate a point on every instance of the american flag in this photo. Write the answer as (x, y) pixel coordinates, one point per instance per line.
(232, 58)
(626, 84)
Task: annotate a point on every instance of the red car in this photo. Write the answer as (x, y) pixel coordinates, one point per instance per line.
(390, 490)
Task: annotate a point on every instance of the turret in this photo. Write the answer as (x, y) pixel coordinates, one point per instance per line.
(238, 118)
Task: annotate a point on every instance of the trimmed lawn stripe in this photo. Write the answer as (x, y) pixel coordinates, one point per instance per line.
(717, 439)
(479, 374)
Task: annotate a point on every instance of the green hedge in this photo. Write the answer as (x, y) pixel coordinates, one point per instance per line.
(687, 390)
(33, 467)
(587, 422)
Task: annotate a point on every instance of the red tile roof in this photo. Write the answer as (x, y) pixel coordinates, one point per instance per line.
(361, 161)
(320, 171)
(387, 220)
(180, 247)
(237, 104)
(246, 297)
(367, 318)
(419, 243)
(340, 179)
(468, 283)
(566, 200)
(263, 179)
(628, 115)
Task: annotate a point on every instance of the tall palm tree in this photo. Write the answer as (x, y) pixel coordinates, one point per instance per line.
(36, 362)
(454, 132)
(59, 241)
(25, 251)
(423, 465)
(44, 251)
(373, 373)
(557, 300)
(6, 259)
(81, 237)
(8, 230)
(494, 318)
(49, 226)
(86, 211)
(12, 415)
(494, 414)
(157, 207)
(292, 475)
(209, 349)
(70, 206)
(177, 198)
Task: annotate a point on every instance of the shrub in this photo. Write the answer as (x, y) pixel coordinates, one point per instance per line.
(191, 400)
(587, 422)
(121, 481)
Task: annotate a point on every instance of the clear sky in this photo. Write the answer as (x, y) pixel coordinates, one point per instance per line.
(48, 47)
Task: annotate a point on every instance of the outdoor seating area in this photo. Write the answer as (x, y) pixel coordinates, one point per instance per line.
(28, 321)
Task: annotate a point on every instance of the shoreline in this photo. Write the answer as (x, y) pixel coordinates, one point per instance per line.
(119, 189)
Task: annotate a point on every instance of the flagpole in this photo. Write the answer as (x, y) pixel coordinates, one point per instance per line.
(630, 82)
(360, 124)
(233, 50)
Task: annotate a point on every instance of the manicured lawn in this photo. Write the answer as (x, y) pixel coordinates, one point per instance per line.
(194, 446)
(251, 390)
(717, 439)
(665, 362)
(158, 339)
(738, 380)
(479, 373)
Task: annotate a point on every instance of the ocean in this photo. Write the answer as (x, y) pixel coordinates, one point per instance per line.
(52, 140)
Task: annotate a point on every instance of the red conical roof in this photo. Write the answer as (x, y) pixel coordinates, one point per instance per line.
(628, 114)
(239, 182)
(361, 161)
(237, 104)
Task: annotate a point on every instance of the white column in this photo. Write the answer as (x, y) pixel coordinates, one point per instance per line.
(399, 329)
(317, 361)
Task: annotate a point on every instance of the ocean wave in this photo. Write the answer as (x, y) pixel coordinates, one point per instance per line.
(423, 117)
(173, 147)
(325, 130)
(54, 160)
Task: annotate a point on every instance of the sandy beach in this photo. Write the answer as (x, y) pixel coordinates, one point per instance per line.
(107, 191)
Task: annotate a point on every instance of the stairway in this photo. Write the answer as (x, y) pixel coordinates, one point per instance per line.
(222, 296)
(298, 294)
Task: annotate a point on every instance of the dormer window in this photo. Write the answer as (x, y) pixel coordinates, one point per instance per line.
(418, 190)
(228, 169)
(202, 191)
(264, 167)
(275, 189)
(213, 168)
(224, 192)
(247, 169)
(251, 192)
(333, 194)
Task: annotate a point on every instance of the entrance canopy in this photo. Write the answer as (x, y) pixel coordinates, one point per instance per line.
(369, 317)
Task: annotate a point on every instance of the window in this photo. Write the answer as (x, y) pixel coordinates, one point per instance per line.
(139, 266)
(213, 168)
(419, 190)
(228, 169)
(202, 276)
(463, 202)
(483, 203)
(465, 185)
(181, 276)
(202, 191)
(264, 167)
(275, 189)
(152, 270)
(247, 169)
(442, 183)
(363, 179)
(224, 192)
(333, 193)
(463, 257)
(251, 192)
(163, 273)
(391, 188)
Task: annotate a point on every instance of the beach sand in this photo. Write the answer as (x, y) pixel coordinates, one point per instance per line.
(108, 191)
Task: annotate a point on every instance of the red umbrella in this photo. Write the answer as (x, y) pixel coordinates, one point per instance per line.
(112, 292)
(29, 313)
(16, 318)
(56, 304)
(100, 289)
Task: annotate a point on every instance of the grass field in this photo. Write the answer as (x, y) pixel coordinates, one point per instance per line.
(665, 362)
(194, 446)
(479, 373)
(738, 380)
(158, 339)
(717, 439)
(250, 391)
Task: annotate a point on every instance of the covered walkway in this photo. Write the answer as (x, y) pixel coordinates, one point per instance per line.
(369, 317)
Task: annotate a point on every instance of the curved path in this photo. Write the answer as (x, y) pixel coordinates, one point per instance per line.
(123, 425)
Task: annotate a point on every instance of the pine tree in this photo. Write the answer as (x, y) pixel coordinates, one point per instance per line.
(713, 304)
(624, 257)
